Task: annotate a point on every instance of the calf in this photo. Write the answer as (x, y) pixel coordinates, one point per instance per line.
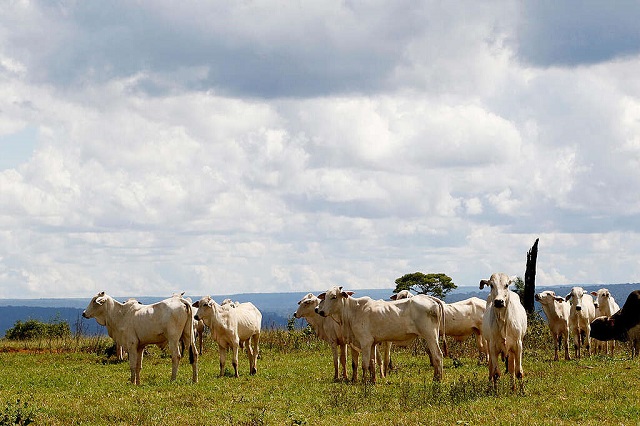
(366, 322)
(624, 325)
(580, 316)
(557, 311)
(134, 325)
(504, 326)
(232, 326)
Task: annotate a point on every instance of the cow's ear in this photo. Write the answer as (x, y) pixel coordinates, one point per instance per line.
(483, 283)
(559, 299)
(210, 303)
(593, 293)
(100, 300)
(393, 297)
(346, 294)
(196, 304)
(101, 294)
(321, 296)
(567, 297)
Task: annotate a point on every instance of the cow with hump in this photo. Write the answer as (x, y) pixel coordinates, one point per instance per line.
(504, 325)
(232, 325)
(168, 323)
(624, 325)
(366, 322)
(462, 319)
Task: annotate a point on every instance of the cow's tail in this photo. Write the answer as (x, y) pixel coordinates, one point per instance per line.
(189, 332)
(442, 325)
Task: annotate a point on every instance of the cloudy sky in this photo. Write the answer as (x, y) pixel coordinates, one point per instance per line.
(266, 145)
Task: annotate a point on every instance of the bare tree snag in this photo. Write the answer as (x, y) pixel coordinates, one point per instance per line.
(530, 277)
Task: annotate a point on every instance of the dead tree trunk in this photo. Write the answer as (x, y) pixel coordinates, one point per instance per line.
(530, 277)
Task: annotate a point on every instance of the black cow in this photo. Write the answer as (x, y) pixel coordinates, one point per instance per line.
(624, 325)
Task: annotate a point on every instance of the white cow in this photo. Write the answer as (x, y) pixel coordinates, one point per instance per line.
(504, 325)
(330, 331)
(462, 319)
(557, 311)
(582, 313)
(366, 322)
(605, 305)
(232, 327)
(134, 325)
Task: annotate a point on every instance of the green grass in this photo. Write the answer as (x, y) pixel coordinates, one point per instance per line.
(71, 383)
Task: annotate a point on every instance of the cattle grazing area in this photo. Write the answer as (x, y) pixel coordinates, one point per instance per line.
(73, 381)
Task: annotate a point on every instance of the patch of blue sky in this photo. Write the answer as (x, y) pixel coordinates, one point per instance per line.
(17, 148)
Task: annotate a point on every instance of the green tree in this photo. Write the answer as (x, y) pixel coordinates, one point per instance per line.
(518, 285)
(437, 285)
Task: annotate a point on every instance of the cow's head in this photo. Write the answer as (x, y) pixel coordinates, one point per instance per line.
(602, 297)
(205, 308)
(95, 309)
(402, 294)
(306, 306)
(575, 297)
(331, 301)
(499, 284)
(548, 297)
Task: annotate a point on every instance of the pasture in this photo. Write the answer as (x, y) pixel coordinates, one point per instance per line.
(73, 382)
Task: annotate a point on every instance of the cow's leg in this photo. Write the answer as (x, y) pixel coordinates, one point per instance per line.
(435, 354)
(255, 344)
(343, 360)
(517, 364)
(234, 360)
(576, 342)
(133, 360)
(373, 362)
(387, 357)
(556, 343)
(587, 339)
(175, 358)
(222, 353)
(366, 359)
(335, 353)
(251, 353)
(494, 369)
(355, 354)
(565, 335)
(139, 351)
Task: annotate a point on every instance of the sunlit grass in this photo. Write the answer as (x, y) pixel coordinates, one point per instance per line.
(79, 385)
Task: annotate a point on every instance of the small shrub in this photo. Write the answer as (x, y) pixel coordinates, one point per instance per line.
(35, 329)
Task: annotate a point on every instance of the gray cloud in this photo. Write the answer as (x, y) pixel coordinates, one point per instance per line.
(571, 33)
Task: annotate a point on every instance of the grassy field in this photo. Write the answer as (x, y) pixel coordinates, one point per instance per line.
(74, 382)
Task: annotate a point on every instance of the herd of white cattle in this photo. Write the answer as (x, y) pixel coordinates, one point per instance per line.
(368, 327)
